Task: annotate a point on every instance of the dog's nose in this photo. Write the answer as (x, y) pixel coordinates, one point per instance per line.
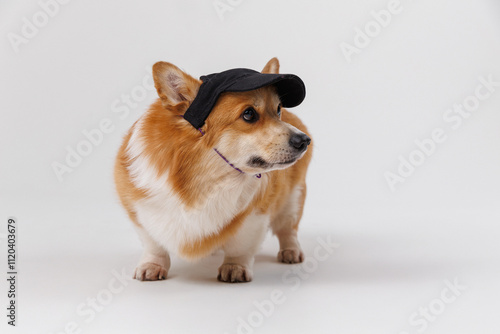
(299, 141)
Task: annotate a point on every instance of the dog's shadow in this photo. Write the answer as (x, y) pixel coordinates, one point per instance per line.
(356, 259)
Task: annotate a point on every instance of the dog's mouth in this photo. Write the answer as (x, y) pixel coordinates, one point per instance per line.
(287, 162)
(259, 162)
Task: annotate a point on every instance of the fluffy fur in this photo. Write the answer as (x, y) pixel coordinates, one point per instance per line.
(184, 198)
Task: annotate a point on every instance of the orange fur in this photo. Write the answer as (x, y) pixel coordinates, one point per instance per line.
(128, 193)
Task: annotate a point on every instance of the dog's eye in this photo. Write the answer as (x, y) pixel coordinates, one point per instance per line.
(279, 110)
(250, 115)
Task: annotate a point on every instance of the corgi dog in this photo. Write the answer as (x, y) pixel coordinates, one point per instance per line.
(193, 191)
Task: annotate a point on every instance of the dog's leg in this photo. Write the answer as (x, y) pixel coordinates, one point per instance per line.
(285, 226)
(239, 251)
(155, 261)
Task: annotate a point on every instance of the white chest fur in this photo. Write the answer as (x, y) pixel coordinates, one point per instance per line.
(171, 224)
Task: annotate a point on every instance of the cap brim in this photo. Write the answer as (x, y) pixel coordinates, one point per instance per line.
(290, 88)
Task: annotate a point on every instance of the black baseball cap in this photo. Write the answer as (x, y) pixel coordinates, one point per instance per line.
(290, 88)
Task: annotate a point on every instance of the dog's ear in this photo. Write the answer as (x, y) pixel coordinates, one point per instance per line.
(272, 66)
(173, 85)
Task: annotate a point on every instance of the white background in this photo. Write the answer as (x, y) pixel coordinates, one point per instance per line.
(396, 248)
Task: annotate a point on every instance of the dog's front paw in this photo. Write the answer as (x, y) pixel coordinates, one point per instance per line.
(234, 273)
(150, 271)
(291, 255)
